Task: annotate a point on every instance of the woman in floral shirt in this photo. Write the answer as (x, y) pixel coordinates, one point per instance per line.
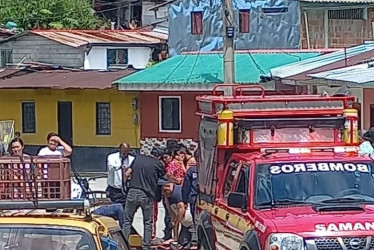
(175, 170)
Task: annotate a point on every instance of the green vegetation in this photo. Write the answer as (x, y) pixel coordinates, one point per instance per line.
(53, 14)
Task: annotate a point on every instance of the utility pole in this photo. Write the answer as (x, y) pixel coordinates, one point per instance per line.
(228, 49)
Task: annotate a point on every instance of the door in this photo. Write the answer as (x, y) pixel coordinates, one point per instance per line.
(221, 215)
(371, 115)
(230, 231)
(237, 223)
(65, 121)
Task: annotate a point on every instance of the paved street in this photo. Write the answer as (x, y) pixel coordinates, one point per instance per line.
(100, 184)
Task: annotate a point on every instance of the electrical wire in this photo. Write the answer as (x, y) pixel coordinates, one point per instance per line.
(197, 57)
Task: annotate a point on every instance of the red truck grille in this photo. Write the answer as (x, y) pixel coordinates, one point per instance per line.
(343, 243)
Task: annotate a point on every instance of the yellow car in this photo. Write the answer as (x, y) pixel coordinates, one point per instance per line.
(57, 225)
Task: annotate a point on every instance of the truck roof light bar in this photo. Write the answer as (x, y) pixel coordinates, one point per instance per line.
(83, 204)
(339, 149)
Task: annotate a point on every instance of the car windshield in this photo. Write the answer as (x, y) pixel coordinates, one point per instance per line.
(35, 238)
(314, 183)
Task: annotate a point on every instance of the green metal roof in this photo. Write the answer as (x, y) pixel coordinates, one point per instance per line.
(208, 68)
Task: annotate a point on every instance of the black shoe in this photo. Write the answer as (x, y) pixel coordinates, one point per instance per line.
(166, 237)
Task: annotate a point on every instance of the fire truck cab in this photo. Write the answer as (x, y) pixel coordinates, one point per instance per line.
(282, 172)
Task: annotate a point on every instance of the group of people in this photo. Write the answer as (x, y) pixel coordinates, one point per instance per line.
(167, 174)
(55, 147)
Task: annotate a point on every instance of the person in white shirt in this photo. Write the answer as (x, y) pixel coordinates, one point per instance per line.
(117, 163)
(366, 148)
(54, 141)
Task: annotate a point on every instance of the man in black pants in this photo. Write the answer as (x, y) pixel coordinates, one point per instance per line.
(141, 191)
(117, 163)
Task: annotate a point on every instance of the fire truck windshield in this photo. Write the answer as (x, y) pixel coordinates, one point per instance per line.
(306, 183)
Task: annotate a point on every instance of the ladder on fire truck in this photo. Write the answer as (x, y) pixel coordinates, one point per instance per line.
(248, 120)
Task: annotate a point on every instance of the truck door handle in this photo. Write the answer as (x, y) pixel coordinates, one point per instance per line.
(227, 216)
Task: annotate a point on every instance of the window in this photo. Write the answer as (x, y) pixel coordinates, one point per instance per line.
(28, 117)
(275, 10)
(103, 118)
(117, 57)
(244, 21)
(346, 14)
(240, 187)
(233, 166)
(197, 23)
(170, 114)
(6, 56)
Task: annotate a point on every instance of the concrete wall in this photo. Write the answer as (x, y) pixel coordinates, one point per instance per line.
(341, 32)
(83, 115)
(149, 102)
(37, 48)
(149, 116)
(89, 149)
(96, 59)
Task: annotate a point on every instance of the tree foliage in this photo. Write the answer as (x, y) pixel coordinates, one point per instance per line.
(43, 14)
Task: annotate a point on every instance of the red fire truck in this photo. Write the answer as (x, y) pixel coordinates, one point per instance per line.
(282, 172)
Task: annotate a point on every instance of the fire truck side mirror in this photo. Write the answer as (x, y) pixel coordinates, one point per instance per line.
(237, 200)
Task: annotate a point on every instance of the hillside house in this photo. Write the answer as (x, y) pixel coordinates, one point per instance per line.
(84, 49)
(198, 25)
(336, 24)
(167, 91)
(81, 106)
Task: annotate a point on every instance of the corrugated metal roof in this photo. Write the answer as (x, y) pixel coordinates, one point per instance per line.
(64, 79)
(78, 38)
(4, 73)
(339, 1)
(360, 74)
(319, 61)
(207, 68)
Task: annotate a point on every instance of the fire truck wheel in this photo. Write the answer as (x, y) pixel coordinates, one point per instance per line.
(203, 244)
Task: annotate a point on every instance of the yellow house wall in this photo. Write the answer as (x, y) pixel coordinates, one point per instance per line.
(84, 115)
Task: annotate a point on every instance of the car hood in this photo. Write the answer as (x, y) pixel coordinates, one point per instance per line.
(307, 222)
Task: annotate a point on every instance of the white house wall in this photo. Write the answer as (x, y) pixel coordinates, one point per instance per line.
(139, 57)
(96, 58)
